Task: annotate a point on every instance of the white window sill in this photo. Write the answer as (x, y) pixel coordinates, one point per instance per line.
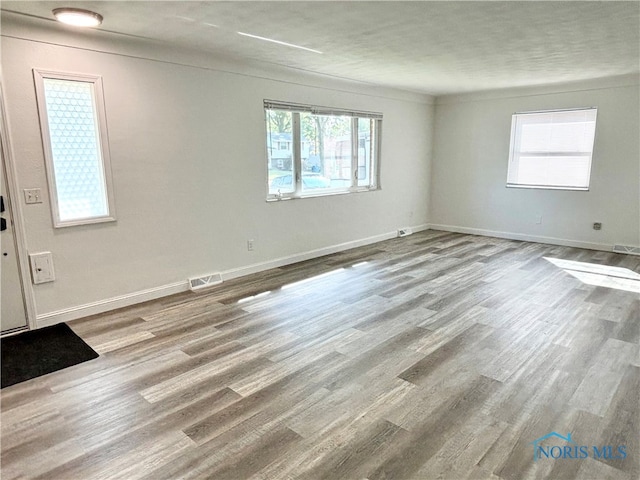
(274, 198)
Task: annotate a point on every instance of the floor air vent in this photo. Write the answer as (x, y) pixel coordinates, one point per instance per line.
(626, 249)
(403, 232)
(205, 281)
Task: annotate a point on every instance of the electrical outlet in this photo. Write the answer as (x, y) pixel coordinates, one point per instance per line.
(32, 195)
(250, 245)
(42, 267)
(597, 226)
(538, 219)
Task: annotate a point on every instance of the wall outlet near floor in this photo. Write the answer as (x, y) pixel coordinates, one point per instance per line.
(538, 219)
(403, 232)
(250, 245)
(597, 226)
(42, 267)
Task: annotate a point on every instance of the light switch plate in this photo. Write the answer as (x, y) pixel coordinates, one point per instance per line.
(42, 267)
(32, 195)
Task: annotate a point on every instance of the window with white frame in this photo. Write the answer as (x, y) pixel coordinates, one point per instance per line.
(332, 151)
(74, 137)
(552, 149)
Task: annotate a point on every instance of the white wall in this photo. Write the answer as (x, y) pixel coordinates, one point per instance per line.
(189, 167)
(471, 151)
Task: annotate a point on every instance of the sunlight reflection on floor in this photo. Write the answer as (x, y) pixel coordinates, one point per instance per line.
(600, 275)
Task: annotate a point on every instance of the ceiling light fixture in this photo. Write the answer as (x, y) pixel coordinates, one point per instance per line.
(77, 17)
(278, 42)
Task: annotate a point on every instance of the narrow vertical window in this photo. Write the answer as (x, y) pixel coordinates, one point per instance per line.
(74, 136)
(367, 152)
(280, 159)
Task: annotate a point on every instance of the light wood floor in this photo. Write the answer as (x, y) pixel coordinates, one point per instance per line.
(435, 356)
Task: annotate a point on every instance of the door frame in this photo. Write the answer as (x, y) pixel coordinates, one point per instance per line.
(15, 206)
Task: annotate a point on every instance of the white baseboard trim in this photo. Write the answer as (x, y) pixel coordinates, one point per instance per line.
(101, 306)
(320, 252)
(525, 238)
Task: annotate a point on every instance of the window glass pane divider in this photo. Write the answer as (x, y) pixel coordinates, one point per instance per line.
(374, 180)
(296, 164)
(354, 152)
(269, 150)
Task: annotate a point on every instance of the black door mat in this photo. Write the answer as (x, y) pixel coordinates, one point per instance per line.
(38, 352)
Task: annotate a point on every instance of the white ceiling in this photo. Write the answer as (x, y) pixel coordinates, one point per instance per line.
(428, 47)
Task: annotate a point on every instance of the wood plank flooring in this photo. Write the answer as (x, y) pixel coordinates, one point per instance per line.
(434, 356)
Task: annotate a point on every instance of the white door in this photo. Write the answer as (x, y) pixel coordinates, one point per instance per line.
(12, 311)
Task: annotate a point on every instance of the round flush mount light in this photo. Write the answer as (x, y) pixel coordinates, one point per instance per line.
(77, 17)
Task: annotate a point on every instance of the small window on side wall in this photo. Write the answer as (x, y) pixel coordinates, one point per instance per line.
(552, 149)
(76, 149)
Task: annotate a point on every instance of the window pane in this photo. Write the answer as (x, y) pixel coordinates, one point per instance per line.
(554, 171)
(75, 148)
(556, 135)
(280, 151)
(328, 162)
(366, 145)
(552, 149)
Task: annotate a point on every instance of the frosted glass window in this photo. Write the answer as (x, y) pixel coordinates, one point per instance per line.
(75, 148)
(552, 149)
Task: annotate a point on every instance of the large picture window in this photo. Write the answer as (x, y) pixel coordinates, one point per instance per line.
(552, 149)
(74, 138)
(315, 151)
